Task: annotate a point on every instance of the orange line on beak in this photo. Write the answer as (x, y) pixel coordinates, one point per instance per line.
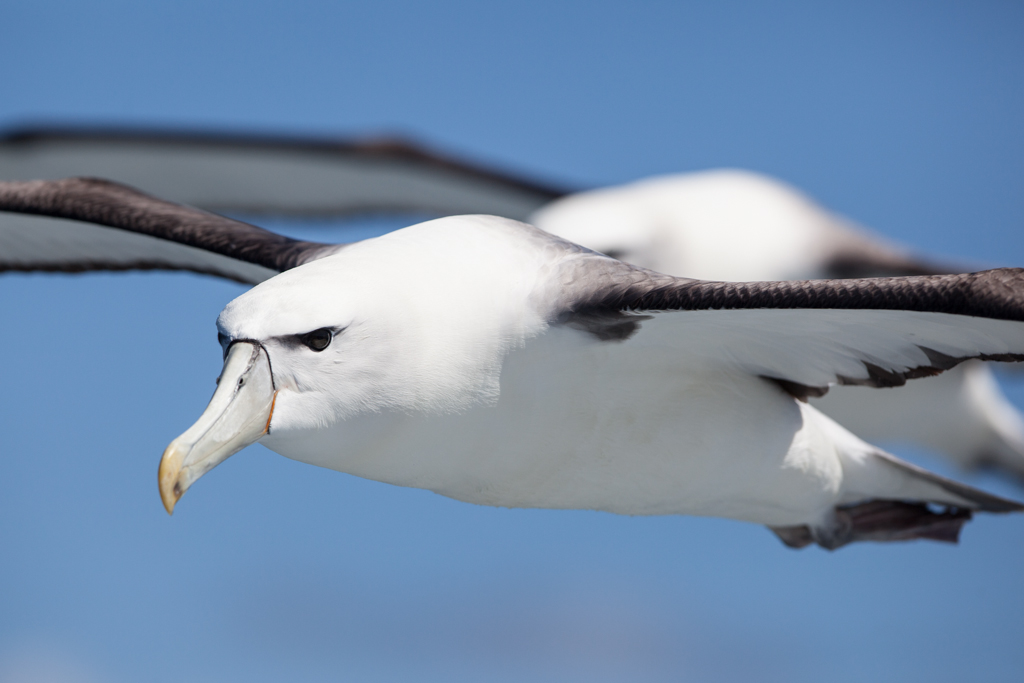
(270, 417)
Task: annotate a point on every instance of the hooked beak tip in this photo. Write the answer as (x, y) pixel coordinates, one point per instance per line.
(238, 414)
(170, 468)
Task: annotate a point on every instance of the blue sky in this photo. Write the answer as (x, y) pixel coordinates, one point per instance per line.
(904, 116)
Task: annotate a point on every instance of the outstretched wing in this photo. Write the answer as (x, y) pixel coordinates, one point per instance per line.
(324, 177)
(806, 335)
(81, 224)
(287, 176)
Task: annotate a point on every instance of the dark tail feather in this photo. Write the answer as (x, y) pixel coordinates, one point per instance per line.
(884, 520)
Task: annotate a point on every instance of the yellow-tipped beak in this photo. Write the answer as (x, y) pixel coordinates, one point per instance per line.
(239, 414)
(170, 467)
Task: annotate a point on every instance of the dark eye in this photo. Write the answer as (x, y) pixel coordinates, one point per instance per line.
(318, 340)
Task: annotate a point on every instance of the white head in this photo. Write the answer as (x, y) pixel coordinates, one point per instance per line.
(419, 320)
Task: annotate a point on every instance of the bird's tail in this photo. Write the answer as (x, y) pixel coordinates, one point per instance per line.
(887, 499)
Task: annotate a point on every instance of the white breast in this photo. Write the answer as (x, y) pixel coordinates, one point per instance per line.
(613, 430)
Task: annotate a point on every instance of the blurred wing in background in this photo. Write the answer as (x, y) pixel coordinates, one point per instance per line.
(692, 224)
(273, 175)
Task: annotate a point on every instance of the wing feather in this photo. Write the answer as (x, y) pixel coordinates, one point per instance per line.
(261, 174)
(80, 224)
(810, 334)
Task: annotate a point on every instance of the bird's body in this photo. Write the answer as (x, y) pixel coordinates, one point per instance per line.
(478, 396)
(580, 424)
(495, 363)
(454, 368)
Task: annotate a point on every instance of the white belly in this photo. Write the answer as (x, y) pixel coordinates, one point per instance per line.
(613, 430)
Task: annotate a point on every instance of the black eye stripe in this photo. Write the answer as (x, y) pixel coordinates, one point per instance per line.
(317, 340)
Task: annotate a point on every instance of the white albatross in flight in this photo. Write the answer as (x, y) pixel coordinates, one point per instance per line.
(486, 360)
(718, 225)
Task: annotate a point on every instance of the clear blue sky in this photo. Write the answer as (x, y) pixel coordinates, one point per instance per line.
(905, 116)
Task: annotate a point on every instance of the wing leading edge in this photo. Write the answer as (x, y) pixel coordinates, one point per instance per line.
(807, 335)
(274, 175)
(81, 224)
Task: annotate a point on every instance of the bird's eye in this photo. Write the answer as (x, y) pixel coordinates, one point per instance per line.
(317, 340)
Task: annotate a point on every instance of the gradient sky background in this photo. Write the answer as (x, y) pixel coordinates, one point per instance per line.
(906, 117)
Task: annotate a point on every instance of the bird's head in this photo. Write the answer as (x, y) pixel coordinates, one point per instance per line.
(416, 321)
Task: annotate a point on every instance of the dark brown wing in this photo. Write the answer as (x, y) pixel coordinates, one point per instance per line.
(997, 294)
(148, 233)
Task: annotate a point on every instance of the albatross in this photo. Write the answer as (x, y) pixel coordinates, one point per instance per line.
(716, 225)
(492, 362)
